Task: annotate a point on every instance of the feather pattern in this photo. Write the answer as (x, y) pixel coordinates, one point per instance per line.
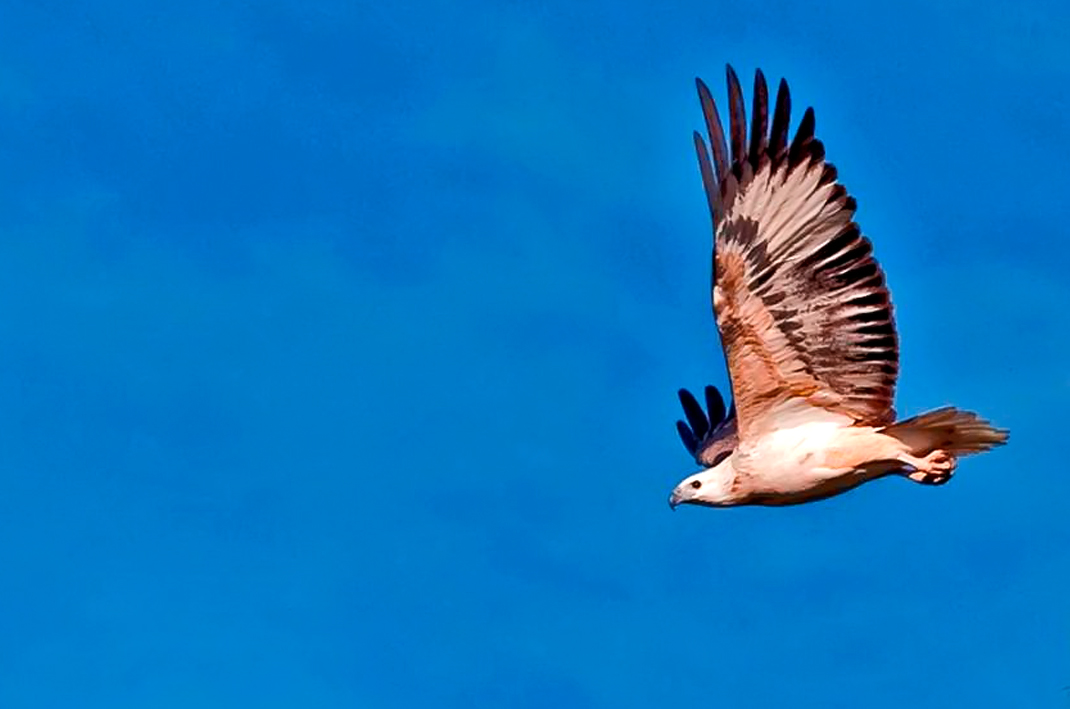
(800, 302)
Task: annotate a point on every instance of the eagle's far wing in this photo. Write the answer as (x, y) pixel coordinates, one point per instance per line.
(708, 435)
(800, 302)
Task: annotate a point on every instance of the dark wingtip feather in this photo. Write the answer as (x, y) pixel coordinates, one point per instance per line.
(713, 128)
(816, 150)
(709, 180)
(829, 175)
(759, 119)
(803, 135)
(737, 117)
(688, 438)
(714, 406)
(778, 137)
(700, 425)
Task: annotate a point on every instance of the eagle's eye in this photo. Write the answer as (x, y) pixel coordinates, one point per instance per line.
(696, 484)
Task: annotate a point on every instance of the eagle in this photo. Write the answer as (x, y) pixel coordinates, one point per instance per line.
(806, 324)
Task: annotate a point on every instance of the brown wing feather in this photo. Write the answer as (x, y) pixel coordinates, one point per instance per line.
(800, 301)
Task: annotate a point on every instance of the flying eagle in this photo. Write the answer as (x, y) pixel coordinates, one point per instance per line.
(806, 325)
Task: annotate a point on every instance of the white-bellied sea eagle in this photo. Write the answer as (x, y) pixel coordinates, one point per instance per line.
(806, 325)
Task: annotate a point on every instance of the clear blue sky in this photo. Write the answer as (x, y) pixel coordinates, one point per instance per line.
(339, 346)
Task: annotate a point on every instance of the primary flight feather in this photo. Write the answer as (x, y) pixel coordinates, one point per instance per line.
(807, 329)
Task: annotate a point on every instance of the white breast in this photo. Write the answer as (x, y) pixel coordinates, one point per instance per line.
(790, 457)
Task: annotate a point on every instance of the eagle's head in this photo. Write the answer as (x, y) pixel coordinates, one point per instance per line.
(712, 487)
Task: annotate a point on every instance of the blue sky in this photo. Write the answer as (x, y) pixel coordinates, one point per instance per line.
(340, 342)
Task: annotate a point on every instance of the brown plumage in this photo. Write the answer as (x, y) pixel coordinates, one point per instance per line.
(800, 301)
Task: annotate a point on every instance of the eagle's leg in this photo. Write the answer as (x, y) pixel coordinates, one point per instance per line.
(934, 469)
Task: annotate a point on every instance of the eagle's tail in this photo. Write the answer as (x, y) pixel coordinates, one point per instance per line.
(958, 432)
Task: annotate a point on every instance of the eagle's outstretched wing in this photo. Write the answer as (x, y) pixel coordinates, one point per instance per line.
(800, 302)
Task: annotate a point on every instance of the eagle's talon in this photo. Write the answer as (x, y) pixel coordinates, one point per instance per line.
(934, 469)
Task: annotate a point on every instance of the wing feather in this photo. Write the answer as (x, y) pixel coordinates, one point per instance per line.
(737, 117)
(778, 136)
(759, 120)
(713, 128)
(800, 301)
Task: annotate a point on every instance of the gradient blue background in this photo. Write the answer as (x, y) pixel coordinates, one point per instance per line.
(339, 346)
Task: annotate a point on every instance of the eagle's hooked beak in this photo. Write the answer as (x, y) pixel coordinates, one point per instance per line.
(674, 499)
